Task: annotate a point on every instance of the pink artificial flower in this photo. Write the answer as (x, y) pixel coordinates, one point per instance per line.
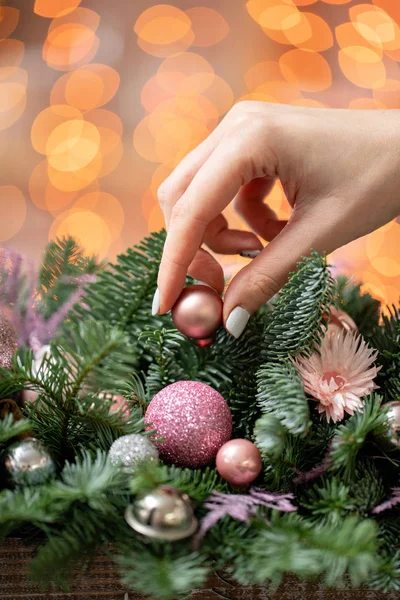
(340, 375)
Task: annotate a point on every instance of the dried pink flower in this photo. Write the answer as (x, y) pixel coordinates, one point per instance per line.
(340, 374)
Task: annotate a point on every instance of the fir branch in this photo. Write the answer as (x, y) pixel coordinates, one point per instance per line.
(351, 435)
(329, 502)
(292, 545)
(281, 393)
(64, 269)
(162, 575)
(362, 307)
(10, 428)
(198, 484)
(387, 576)
(301, 310)
(387, 340)
(269, 436)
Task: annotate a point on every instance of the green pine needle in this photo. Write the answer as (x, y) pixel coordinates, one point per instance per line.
(281, 393)
(301, 310)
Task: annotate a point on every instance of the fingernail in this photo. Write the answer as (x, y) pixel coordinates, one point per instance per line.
(237, 321)
(156, 303)
(249, 253)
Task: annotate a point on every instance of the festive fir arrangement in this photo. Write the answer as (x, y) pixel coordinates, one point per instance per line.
(275, 453)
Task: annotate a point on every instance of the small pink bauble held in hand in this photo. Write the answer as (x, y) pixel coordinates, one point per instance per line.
(193, 421)
(239, 462)
(198, 313)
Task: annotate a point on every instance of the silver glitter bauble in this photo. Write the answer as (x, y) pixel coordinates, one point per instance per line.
(28, 462)
(131, 450)
(163, 514)
(390, 439)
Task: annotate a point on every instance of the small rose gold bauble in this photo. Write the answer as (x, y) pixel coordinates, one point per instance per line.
(239, 462)
(340, 321)
(198, 312)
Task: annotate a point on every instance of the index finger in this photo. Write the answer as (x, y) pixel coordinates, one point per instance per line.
(214, 186)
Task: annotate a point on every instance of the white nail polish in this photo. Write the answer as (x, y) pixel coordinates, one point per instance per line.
(237, 321)
(250, 253)
(156, 303)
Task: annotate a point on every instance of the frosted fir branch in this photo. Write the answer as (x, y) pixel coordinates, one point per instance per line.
(30, 324)
(241, 507)
(394, 500)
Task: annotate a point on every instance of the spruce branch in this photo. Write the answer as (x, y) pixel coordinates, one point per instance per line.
(386, 339)
(362, 307)
(162, 575)
(300, 313)
(10, 428)
(269, 436)
(64, 269)
(387, 576)
(352, 435)
(291, 545)
(281, 393)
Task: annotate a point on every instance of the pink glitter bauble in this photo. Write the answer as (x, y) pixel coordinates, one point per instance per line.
(194, 421)
(239, 462)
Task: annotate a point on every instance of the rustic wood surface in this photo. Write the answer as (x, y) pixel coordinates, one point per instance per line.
(103, 584)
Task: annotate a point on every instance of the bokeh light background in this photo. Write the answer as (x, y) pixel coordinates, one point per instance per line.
(100, 99)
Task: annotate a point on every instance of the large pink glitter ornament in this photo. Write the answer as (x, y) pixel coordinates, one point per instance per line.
(239, 462)
(194, 421)
(198, 313)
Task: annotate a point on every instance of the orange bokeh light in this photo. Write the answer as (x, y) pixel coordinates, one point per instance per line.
(57, 200)
(362, 66)
(86, 88)
(349, 34)
(262, 72)
(72, 145)
(208, 25)
(366, 103)
(54, 8)
(389, 94)
(313, 33)
(162, 24)
(11, 53)
(16, 211)
(68, 45)
(9, 17)
(185, 73)
(390, 7)
(309, 71)
(88, 228)
(70, 181)
(376, 26)
(47, 120)
(105, 206)
(165, 50)
(12, 103)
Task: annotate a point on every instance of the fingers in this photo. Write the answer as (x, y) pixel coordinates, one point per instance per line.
(205, 268)
(249, 204)
(254, 285)
(213, 187)
(222, 240)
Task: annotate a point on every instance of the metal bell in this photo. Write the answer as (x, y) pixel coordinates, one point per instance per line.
(163, 514)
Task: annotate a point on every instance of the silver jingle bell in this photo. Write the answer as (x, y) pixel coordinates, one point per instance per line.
(28, 462)
(391, 437)
(163, 514)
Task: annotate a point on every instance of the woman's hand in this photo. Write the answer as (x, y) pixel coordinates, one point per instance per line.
(340, 170)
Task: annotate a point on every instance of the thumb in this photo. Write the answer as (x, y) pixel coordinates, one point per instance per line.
(256, 283)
